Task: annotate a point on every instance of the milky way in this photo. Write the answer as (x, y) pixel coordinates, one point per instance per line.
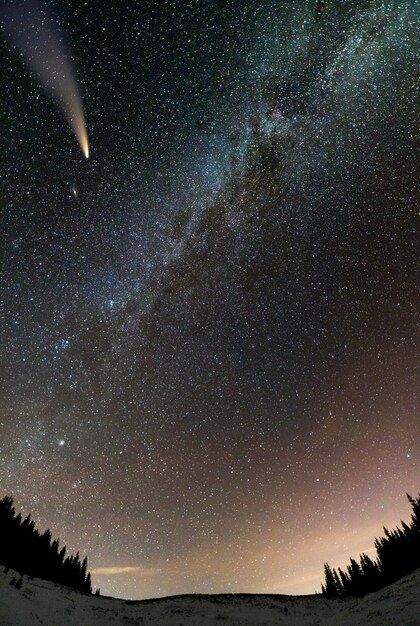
(209, 338)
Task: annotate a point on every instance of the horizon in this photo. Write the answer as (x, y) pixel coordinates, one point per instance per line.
(119, 570)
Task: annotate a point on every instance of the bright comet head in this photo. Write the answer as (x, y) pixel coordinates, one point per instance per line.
(84, 144)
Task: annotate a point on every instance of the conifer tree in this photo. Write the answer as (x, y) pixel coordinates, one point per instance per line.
(398, 554)
(25, 550)
(330, 589)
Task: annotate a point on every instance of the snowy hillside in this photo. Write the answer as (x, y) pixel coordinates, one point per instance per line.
(40, 602)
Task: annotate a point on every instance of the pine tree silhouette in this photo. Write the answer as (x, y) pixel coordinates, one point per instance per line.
(330, 590)
(23, 549)
(398, 554)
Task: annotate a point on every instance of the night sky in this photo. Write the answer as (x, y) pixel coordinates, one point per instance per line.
(208, 328)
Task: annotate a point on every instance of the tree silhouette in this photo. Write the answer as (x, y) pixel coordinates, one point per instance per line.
(330, 589)
(398, 554)
(25, 550)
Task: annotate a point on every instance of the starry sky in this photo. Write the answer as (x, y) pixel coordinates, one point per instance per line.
(209, 332)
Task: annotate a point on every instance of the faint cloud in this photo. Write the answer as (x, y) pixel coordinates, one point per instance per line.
(111, 571)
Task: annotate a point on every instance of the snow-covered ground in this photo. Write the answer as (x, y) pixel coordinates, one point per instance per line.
(40, 602)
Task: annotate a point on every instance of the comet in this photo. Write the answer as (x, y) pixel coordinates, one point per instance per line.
(30, 26)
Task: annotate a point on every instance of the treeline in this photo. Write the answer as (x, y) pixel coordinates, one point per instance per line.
(25, 550)
(398, 554)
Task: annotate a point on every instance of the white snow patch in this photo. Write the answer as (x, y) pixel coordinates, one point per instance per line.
(41, 602)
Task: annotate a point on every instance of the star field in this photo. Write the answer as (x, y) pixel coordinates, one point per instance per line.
(209, 329)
